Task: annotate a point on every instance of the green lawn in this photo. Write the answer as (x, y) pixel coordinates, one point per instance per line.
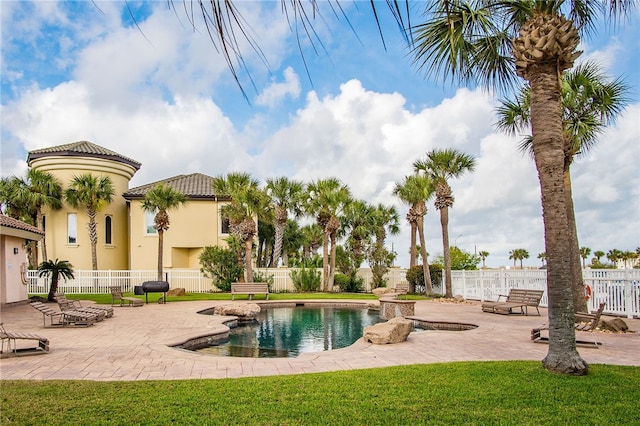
(480, 393)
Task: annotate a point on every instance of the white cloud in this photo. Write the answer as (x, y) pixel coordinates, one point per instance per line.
(275, 92)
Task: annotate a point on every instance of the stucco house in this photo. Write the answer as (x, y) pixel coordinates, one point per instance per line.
(195, 225)
(13, 258)
(126, 238)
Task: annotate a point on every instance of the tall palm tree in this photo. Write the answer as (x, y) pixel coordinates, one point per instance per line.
(485, 42)
(543, 258)
(483, 255)
(355, 226)
(159, 200)
(312, 239)
(417, 190)
(584, 254)
(590, 102)
(518, 254)
(440, 166)
(598, 254)
(93, 193)
(27, 196)
(285, 196)
(56, 269)
(247, 202)
(382, 220)
(327, 200)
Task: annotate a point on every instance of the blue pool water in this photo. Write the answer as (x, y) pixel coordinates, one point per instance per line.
(288, 332)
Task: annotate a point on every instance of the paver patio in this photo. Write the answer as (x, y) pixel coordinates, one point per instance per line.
(133, 345)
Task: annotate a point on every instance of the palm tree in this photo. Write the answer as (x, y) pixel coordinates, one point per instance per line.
(584, 254)
(26, 197)
(483, 42)
(327, 200)
(590, 103)
(543, 258)
(312, 239)
(483, 255)
(598, 254)
(93, 193)
(614, 255)
(247, 201)
(417, 190)
(382, 220)
(518, 254)
(159, 200)
(55, 269)
(355, 225)
(440, 166)
(286, 196)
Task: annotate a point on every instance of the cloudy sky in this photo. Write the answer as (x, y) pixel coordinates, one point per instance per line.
(155, 89)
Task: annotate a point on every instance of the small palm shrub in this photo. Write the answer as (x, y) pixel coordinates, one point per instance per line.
(305, 279)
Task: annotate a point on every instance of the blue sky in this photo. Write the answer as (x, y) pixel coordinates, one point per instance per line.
(164, 96)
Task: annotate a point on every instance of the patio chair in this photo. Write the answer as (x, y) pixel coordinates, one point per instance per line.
(76, 304)
(11, 339)
(584, 322)
(63, 318)
(67, 306)
(116, 296)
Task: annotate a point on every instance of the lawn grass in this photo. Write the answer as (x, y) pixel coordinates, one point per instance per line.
(470, 393)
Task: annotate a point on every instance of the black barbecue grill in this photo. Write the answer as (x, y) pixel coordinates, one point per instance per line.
(155, 287)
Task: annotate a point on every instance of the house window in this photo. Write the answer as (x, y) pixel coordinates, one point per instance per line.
(108, 233)
(72, 228)
(225, 226)
(149, 223)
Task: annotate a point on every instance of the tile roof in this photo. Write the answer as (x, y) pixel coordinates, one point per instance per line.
(81, 149)
(195, 185)
(10, 222)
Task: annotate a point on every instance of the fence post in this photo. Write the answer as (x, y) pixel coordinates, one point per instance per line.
(628, 294)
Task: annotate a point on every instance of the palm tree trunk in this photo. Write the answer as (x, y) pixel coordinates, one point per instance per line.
(428, 285)
(277, 247)
(325, 261)
(248, 248)
(93, 238)
(412, 251)
(43, 241)
(160, 252)
(444, 222)
(332, 262)
(579, 301)
(546, 123)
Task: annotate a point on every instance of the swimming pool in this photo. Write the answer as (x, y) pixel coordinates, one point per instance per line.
(287, 332)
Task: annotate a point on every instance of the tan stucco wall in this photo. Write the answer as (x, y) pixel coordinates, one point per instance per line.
(114, 256)
(193, 226)
(11, 287)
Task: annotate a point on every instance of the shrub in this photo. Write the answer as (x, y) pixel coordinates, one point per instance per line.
(306, 279)
(259, 277)
(415, 277)
(221, 266)
(349, 284)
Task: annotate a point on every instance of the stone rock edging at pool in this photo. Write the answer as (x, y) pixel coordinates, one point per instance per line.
(424, 324)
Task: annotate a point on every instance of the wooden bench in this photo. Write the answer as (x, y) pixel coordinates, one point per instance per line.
(250, 289)
(584, 322)
(517, 298)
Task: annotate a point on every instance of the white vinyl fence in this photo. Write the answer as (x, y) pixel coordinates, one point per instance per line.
(192, 280)
(618, 288)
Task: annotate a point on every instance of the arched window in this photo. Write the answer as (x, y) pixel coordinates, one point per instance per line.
(108, 230)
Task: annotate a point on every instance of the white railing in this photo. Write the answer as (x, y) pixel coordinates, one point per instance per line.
(192, 280)
(618, 288)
